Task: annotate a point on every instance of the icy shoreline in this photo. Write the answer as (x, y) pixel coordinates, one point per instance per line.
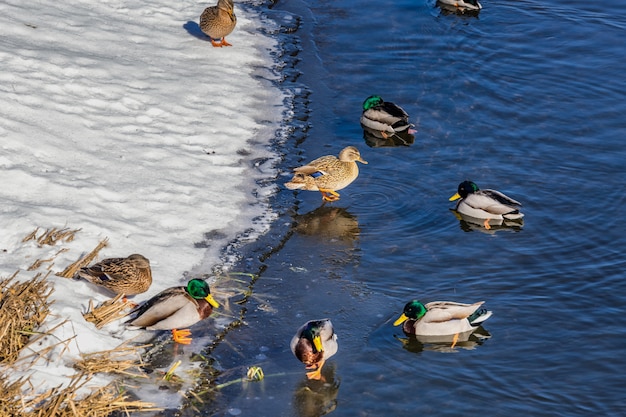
(116, 121)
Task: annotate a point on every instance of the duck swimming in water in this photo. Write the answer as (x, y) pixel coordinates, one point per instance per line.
(485, 204)
(328, 174)
(314, 342)
(441, 318)
(384, 117)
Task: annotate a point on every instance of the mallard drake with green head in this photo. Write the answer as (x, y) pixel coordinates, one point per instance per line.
(441, 318)
(485, 204)
(128, 276)
(174, 309)
(314, 342)
(219, 21)
(328, 174)
(384, 117)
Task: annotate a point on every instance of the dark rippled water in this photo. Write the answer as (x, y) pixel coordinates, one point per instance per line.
(527, 97)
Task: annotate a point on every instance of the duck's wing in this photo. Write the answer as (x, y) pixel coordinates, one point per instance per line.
(500, 197)
(112, 269)
(320, 165)
(395, 110)
(159, 307)
(442, 311)
(329, 339)
(382, 115)
(491, 201)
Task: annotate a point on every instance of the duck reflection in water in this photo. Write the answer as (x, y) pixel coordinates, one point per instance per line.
(329, 223)
(469, 340)
(375, 139)
(471, 224)
(314, 398)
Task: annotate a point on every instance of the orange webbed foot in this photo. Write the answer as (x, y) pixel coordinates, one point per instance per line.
(182, 336)
(454, 340)
(316, 374)
(216, 44)
(486, 224)
(129, 303)
(224, 43)
(329, 195)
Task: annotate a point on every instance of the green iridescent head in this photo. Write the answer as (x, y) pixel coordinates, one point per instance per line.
(414, 310)
(466, 188)
(312, 332)
(372, 101)
(200, 290)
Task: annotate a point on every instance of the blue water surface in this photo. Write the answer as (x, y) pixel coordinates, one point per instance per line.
(526, 97)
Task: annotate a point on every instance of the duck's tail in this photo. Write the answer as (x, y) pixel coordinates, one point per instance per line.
(514, 215)
(479, 316)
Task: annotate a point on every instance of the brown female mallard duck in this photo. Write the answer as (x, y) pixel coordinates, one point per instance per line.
(174, 309)
(219, 21)
(328, 174)
(314, 342)
(128, 276)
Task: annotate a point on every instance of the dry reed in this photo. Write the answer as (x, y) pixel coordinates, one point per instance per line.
(71, 270)
(107, 311)
(23, 308)
(65, 402)
(123, 360)
(51, 236)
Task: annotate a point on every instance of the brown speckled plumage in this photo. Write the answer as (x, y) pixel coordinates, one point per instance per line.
(129, 276)
(219, 21)
(328, 174)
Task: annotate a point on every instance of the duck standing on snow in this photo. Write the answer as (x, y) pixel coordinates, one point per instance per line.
(219, 21)
(441, 318)
(328, 174)
(384, 117)
(485, 204)
(314, 342)
(175, 309)
(129, 276)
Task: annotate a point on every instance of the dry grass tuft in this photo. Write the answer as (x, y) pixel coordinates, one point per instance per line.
(123, 360)
(71, 270)
(108, 311)
(64, 402)
(51, 236)
(39, 262)
(23, 308)
(10, 396)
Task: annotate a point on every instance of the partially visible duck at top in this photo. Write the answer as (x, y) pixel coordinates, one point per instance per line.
(485, 204)
(219, 21)
(462, 5)
(385, 117)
